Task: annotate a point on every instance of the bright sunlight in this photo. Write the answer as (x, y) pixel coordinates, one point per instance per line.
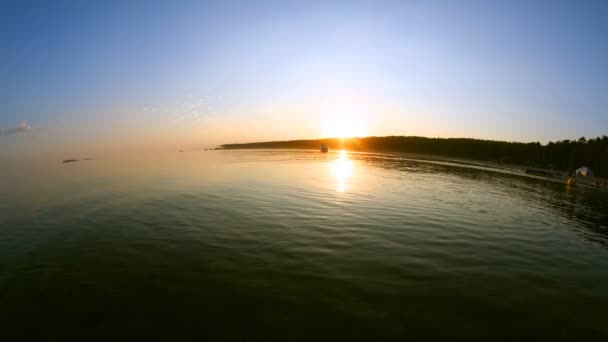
(342, 169)
(343, 127)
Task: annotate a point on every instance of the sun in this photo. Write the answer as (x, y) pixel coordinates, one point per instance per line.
(343, 126)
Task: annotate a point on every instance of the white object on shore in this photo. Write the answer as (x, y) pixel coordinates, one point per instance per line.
(584, 171)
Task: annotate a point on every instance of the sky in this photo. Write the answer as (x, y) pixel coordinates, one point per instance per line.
(78, 76)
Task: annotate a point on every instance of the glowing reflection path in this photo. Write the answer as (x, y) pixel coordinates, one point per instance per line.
(342, 169)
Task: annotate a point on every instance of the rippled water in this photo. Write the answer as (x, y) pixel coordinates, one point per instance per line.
(298, 245)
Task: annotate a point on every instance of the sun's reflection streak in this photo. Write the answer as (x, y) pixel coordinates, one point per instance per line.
(342, 169)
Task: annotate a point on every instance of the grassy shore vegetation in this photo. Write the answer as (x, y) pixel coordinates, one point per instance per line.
(561, 155)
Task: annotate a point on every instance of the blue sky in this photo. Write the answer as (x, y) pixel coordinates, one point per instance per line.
(200, 73)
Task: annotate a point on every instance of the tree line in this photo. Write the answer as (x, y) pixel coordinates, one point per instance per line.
(560, 155)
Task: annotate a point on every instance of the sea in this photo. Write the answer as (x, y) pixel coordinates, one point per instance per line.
(297, 245)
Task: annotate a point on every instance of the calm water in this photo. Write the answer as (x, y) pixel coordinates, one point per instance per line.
(296, 245)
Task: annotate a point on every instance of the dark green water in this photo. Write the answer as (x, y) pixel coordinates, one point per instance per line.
(295, 245)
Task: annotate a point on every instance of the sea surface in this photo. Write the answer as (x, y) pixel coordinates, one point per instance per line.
(297, 245)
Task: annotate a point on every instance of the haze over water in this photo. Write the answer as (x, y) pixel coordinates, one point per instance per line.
(298, 245)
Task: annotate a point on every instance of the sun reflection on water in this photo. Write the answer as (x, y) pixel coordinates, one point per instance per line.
(342, 169)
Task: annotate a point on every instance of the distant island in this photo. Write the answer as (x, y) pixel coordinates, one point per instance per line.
(75, 160)
(561, 155)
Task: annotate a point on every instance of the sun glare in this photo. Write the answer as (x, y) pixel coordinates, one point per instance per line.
(342, 168)
(343, 127)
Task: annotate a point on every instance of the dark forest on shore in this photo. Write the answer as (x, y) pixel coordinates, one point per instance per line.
(561, 155)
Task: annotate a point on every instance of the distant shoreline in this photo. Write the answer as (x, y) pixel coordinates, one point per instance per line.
(509, 156)
(516, 169)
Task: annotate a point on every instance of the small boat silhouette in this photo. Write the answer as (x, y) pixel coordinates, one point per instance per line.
(324, 148)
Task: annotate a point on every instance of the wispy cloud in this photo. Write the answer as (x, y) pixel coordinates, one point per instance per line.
(23, 127)
(187, 110)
